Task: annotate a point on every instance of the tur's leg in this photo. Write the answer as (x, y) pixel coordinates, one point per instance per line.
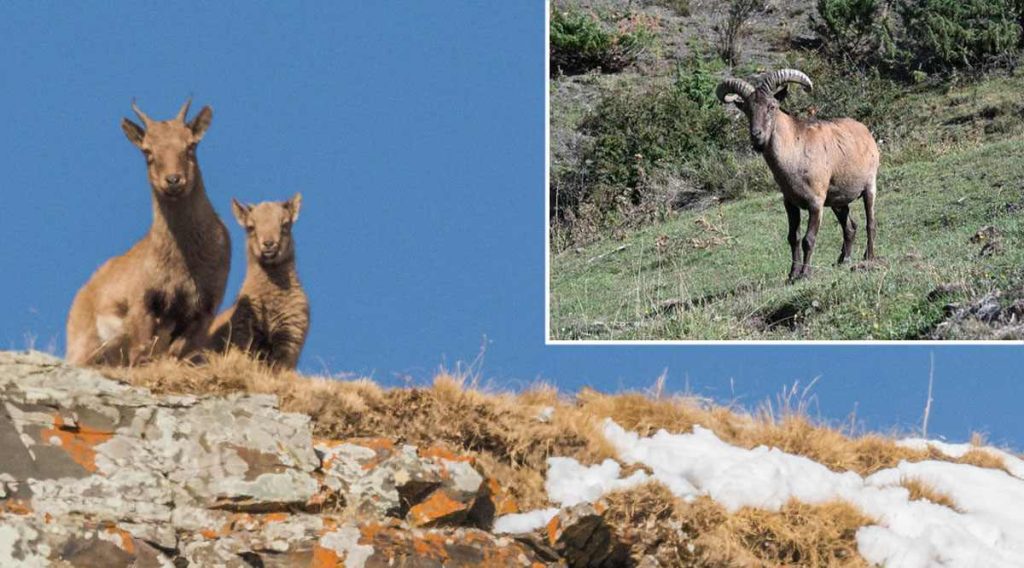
(143, 339)
(192, 340)
(285, 348)
(793, 215)
(849, 227)
(284, 355)
(869, 215)
(813, 223)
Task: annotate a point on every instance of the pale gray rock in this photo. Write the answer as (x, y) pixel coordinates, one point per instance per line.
(95, 472)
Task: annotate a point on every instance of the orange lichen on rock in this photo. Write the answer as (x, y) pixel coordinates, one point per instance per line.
(225, 528)
(372, 443)
(430, 545)
(503, 556)
(15, 507)
(275, 517)
(325, 558)
(79, 442)
(327, 442)
(553, 530)
(444, 453)
(504, 503)
(330, 525)
(126, 539)
(437, 508)
(370, 531)
(322, 497)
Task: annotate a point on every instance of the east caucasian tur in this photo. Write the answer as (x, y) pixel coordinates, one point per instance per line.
(270, 318)
(160, 296)
(817, 163)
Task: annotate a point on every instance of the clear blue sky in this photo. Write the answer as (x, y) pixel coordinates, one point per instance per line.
(415, 132)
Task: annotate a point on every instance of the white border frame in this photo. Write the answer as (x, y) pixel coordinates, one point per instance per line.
(670, 342)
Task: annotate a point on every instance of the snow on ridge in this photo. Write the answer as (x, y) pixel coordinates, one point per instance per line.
(1013, 464)
(570, 483)
(518, 523)
(988, 529)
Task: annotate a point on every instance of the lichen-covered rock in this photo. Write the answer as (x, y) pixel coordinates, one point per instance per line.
(580, 535)
(432, 487)
(393, 543)
(98, 473)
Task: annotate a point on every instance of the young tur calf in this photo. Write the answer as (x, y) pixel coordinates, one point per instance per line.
(270, 318)
(160, 296)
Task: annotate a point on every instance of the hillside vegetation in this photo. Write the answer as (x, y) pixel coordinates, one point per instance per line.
(512, 436)
(666, 225)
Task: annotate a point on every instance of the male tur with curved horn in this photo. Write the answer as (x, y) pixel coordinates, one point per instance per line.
(817, 163)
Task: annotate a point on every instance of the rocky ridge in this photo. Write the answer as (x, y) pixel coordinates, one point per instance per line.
(98, 473)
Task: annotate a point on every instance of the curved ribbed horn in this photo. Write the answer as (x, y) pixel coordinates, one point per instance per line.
(775, 80)
(184, 110)
(142, 116)
(734, 86)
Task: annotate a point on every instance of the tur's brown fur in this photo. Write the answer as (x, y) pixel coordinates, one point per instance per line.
(817, 163)
(160, 296)
(270, 318)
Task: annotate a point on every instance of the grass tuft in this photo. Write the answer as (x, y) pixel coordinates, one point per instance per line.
(919, 490)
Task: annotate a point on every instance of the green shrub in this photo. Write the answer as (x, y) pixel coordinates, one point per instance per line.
(904, 38)
(731, 174)
(941, 35)
(636, 132)
(580, 42)
(853, 30)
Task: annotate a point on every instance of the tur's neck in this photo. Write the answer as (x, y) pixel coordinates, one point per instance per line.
(282, 276)
(785, 127)
(185, 220)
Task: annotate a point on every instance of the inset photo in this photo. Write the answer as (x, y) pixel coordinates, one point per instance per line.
(776, 170)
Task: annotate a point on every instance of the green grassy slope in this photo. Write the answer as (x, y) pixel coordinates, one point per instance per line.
(719, 273)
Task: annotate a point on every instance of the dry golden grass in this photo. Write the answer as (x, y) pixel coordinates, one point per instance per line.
(983, 458)
(793, 433)
(920, 490)
(980, 457)
(503, 430)
(702, 533)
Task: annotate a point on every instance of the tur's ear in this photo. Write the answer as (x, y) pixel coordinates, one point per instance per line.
(293, 205)
(782, 94)
(240, 211)
(200, 123)
(133, 131)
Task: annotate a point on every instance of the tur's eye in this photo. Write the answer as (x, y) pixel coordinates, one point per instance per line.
(249, 229)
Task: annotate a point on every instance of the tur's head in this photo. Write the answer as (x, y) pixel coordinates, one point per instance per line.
(761, 103)
(170, 148)
(269, 228)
